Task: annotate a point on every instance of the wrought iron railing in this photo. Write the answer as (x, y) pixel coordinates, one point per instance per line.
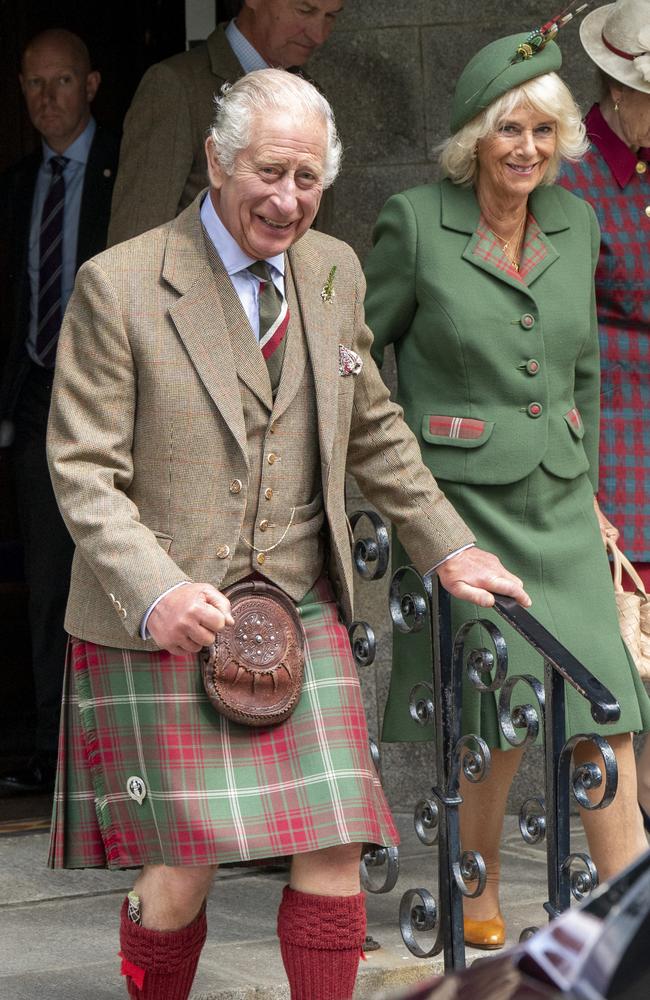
(436, 817)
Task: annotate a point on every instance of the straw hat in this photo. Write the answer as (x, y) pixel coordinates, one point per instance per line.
(617, 38)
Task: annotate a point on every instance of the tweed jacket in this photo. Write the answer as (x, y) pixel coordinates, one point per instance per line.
(147, 430)
(162, 160)
(16, 195)
(616, 182)
(496, 374)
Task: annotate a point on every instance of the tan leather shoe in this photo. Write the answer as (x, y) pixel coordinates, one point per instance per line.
(485, 934)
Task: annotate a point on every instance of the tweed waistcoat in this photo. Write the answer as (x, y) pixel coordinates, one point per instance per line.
(281, 534)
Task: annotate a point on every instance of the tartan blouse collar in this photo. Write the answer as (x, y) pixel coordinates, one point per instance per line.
(460, 208)
(619, 158)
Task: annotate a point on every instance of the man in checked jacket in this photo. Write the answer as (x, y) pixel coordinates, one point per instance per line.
(186, 456)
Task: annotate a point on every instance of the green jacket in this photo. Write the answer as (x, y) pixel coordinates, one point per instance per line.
(518, 360)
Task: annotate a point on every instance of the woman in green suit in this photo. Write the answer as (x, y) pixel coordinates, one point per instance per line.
(484, 284)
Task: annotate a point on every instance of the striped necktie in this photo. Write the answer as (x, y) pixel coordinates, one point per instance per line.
(274, 320)
(51, 265)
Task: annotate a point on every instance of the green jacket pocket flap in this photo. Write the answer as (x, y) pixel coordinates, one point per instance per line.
(574, 420)
(460, 432)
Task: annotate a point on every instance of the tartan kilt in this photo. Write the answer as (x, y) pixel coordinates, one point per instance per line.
(214, 791)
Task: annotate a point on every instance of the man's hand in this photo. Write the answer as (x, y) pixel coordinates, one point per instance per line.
(475, 575)
(189, 617)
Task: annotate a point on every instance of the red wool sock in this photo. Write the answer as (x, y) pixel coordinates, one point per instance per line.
(320, 941)
(160, 965)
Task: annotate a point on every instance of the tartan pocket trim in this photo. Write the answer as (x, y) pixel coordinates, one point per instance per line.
(460, 432)
(574, 420)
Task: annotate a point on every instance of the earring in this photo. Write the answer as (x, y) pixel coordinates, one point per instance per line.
(616, 106)
(475, 151)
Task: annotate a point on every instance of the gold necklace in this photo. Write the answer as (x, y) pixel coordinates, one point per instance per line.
(517, 235)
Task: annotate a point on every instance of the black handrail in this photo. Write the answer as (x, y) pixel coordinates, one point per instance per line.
(440, 703)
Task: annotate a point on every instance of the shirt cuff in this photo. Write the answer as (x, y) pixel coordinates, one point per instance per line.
(144, 633)
(456, 552)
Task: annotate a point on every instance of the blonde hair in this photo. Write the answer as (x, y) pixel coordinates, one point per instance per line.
(545, 94)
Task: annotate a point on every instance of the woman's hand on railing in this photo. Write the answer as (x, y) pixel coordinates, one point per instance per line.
(607, 530)
(475, 575)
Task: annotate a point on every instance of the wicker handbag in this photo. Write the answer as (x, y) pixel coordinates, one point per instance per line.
(633, 611)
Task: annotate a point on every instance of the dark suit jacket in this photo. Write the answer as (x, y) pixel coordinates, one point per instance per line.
(17, 186)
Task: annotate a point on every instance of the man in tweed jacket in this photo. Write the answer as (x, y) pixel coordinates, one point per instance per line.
(162, 163)
(183, 464)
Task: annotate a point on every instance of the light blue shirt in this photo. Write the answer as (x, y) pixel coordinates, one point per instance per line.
(249, 58)
(73, 175)
(236, 261)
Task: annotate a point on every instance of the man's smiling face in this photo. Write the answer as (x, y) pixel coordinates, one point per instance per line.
(272, 196)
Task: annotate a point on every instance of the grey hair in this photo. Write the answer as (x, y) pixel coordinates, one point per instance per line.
(269, 90)
(546, 94)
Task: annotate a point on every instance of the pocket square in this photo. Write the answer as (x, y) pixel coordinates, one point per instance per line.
(349, 361)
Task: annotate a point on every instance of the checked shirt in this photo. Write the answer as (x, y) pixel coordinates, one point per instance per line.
(616, 182)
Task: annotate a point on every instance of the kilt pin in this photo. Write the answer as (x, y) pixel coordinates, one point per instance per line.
(162, 390)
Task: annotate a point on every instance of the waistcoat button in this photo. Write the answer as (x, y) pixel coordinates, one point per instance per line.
(223, 552)
(272, 458)
(235, 486)
(268, 493)
(261, 558)
(264, 525)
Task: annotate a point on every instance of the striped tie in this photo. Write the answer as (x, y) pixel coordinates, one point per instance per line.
(274, 320)
(51, 265)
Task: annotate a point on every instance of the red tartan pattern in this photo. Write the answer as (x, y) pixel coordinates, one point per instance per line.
(215, 791)
(490, 249)
(606, 177)
(465, 428)
(574, 418)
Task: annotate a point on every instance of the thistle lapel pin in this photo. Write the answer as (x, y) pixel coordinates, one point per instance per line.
(327, 293)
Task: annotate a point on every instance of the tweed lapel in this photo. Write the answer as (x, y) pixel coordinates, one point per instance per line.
(200, 319)
(310, 273)
(295, 354)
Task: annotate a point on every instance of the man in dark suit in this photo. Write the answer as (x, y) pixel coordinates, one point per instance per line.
(54, 211)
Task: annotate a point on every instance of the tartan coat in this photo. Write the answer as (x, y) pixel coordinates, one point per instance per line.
(616, 182)
(147, 431)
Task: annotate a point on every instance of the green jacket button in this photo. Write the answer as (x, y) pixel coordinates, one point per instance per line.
(534, 409)
(532, 366)
(527, 321)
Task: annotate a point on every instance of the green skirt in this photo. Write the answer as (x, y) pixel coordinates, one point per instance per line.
(545, 530)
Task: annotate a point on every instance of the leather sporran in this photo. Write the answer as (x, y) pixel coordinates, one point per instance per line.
(253, 671)
(633, 611)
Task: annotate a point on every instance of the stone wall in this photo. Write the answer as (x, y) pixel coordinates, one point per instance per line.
(389, 70)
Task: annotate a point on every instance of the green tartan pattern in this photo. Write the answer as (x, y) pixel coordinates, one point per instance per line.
(214, 791)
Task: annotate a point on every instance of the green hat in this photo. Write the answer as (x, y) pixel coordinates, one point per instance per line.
(496, 69)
